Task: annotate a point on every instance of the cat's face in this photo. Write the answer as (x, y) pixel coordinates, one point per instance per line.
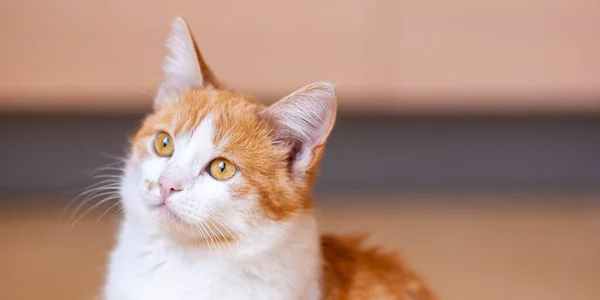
(212, 167)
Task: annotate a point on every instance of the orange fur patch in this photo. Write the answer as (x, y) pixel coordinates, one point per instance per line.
(351, 272)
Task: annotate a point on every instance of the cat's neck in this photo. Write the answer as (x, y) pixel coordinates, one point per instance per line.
(288, 268)
(299, 235)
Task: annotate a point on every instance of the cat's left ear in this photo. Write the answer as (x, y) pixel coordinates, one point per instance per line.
(184, 68)
(303, 122)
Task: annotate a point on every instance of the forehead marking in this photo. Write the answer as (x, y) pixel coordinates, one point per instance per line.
(197, 148)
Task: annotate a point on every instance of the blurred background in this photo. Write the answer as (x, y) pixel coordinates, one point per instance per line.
(468, 135)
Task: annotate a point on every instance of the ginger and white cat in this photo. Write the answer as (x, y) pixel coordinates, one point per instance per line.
(217, 199)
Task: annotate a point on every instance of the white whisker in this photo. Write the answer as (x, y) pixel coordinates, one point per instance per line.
(202, 231)
(144, 92)
(109, 167)
(114, 176)
(90, 193)
(118, 159)
(212, 233)
(107, 210)
(104, 193)
(221, 223)
(94, 206)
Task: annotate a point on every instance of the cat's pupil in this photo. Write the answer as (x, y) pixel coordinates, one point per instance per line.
(165, 142)
(222, 166)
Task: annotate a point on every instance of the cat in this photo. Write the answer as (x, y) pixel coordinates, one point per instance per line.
(216, 193)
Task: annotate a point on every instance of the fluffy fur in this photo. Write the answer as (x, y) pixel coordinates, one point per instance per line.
(252, 236)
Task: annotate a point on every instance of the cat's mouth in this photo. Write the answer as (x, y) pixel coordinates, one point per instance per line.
(164, 212)
(212, 235)
(212, 232)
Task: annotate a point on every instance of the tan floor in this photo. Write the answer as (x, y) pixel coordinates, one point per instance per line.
(467, 252)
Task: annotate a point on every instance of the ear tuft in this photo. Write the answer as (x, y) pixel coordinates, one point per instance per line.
(304, 120)
(183, 67)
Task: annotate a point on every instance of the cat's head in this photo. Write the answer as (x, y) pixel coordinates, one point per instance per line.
(210, 164)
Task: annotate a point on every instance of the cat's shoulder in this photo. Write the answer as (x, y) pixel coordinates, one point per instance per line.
(351, 270)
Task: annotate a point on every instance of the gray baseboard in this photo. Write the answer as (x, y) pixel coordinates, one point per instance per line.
(52, 155)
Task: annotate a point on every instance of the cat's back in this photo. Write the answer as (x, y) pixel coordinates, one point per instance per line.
(351, 272)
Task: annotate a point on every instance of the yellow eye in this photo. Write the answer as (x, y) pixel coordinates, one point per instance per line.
(221, 169)
(163, 144)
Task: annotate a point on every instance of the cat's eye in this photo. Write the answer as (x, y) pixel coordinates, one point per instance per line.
(221, 169)
(163, 144)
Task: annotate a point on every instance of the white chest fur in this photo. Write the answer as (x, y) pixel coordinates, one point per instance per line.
(147, 266)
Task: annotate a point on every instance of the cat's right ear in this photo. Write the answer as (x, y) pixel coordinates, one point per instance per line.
(184, 68)
(302, 122)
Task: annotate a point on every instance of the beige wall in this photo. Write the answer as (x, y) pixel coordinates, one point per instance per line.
(435, 54)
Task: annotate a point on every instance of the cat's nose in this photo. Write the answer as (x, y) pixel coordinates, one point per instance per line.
(171, 181)
(168, 186)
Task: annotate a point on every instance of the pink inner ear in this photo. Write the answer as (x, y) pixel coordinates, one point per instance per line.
(300, 130)
(304, 119)
(291, 147)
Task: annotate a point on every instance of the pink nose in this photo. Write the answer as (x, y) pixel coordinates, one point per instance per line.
(171, 181)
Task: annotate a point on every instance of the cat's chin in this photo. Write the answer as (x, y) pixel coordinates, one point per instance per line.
(164, 212)
(204, 235)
